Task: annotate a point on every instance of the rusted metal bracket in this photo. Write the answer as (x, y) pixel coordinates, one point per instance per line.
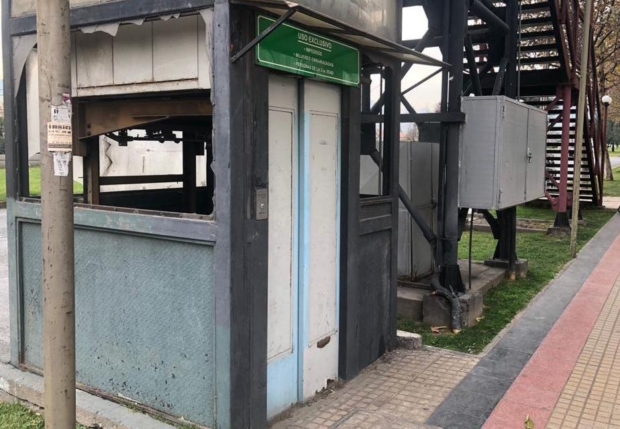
(99, 118)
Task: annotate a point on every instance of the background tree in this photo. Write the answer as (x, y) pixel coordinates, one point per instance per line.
(607, 52)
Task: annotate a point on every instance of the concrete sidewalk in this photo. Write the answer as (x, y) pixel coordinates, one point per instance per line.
(562, 347)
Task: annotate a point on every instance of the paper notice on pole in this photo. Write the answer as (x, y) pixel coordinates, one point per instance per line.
(59, 137)
(59, 133)
(63, 112)
(61, 163)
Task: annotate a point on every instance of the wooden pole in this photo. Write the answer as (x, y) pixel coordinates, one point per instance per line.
(54, 56)
(581, 110)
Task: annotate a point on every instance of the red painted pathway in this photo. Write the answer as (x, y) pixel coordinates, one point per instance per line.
(540, 384)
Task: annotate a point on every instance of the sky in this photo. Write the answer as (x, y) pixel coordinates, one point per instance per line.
(425, 97)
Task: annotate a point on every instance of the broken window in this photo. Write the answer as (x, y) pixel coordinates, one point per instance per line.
(149, 154)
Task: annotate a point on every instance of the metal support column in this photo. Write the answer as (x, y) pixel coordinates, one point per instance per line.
(506, 250)
(449, 169)
(561, 218)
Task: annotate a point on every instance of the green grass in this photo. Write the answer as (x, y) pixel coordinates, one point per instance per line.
(35, 184)
(611, 188)
(614, 154)
(15, 416)
(546, 256)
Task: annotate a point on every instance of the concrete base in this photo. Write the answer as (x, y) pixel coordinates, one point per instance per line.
(415, 301)
(409, 302)
(558, 231)
(18, 386)
(521, 266)
(436, 310)
(409, 340)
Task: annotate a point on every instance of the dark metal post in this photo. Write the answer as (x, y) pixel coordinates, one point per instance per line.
(507, 243)
(450, 273)
(561, 218)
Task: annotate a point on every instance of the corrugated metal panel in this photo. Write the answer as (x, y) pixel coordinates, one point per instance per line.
(419, 176)
(145, 318)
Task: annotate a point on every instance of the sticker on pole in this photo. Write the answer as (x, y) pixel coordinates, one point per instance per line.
(60, 136)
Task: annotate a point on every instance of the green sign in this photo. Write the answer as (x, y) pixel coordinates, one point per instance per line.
(297, 51)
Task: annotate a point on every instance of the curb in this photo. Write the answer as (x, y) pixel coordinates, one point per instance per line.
(17, 386)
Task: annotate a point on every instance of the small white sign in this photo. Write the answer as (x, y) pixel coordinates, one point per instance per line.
(59, 137)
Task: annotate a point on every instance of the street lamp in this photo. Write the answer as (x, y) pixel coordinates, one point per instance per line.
(606, 102)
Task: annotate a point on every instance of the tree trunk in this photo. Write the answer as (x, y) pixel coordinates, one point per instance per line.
(609, 174)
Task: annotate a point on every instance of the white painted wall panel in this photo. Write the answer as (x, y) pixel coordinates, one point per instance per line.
(155, 56)
(133, 54)
(282, 133)
(94, 59)
(323, 233)
(175, 49)
(204, 70)
(283, 298)
(322, 128)
(27, 7)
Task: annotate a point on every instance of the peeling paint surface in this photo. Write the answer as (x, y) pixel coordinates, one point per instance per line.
(145, 318)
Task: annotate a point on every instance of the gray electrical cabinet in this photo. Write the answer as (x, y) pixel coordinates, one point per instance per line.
(502, 153)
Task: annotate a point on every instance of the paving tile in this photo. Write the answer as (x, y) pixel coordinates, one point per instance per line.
(401, 391)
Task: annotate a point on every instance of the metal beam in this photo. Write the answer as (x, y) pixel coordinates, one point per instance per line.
(471, 62)
(449, 151)
(493, 21)
(499, 79)
(264, 34)
(415, 85)
(446, 117)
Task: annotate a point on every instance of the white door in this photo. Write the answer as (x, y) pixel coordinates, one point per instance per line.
(319, 251)
(282, 338)
(303, 266)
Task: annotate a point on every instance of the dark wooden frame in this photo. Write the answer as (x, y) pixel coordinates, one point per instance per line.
(364, 217)
(240, 92)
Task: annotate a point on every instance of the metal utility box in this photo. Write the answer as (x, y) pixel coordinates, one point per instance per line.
(502, 153)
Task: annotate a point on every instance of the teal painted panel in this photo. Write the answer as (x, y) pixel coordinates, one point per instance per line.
(145, 318)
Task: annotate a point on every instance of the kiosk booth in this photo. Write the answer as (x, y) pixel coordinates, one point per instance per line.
(227, 265)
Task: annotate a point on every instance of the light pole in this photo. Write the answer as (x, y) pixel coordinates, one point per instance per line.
(54, 47)
(606, 102)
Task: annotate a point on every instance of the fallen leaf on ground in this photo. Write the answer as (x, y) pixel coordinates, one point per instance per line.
(529, 424)
(438, 329)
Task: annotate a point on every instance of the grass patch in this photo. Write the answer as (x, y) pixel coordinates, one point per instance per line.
(35, 184)
(15, 416)
(546, 256)
(611, 188)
